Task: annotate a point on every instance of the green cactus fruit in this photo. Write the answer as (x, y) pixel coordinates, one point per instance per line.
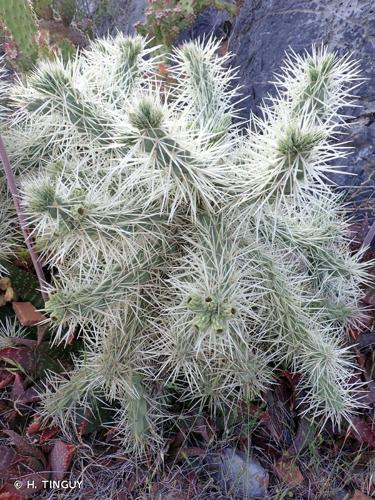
(195, 303)
(202, 321)
(228, 311)
(217, 323)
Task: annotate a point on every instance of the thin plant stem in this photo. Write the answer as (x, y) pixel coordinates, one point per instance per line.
(22, 219)
(369, 236)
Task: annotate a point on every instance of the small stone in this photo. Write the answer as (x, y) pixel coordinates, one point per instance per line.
(237, 474)
(358, 495)
(27, 314)
(4, 283)
(9, 294)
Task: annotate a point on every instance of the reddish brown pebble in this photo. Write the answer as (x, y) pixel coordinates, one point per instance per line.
(27, 314)
(358, 495)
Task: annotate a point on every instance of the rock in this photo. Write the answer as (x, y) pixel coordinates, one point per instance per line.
(112, 16)
(361, 163)
(123, 15)
(265, 29)
(238, 475)
(358, 495)
(210, 22)
(340, 495)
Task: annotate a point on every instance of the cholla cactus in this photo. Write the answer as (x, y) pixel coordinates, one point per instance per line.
(185, 254)
(20, 20)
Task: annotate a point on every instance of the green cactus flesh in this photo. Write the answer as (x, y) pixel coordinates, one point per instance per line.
(19, 19)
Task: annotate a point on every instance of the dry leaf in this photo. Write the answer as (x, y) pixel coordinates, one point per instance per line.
(60, 459)
(289, 472)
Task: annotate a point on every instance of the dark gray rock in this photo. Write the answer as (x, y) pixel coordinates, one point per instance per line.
(111, 16)
(265, 29)
(237, 475)
(210, 22)
(360, 184)
(341, 495)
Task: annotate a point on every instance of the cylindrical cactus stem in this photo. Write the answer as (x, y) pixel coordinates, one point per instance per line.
(137, 412)
(113, 354)
(309, 343)
(296, 148)
(82, 302)
(328, 384)
(88, 301)
(120, 67)
(63, 398)
(55, 91)
(128, 63)
(180, 171)
(285, 158)
(320, 84)
(206, 84)
(88, 209)
(19, 18)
